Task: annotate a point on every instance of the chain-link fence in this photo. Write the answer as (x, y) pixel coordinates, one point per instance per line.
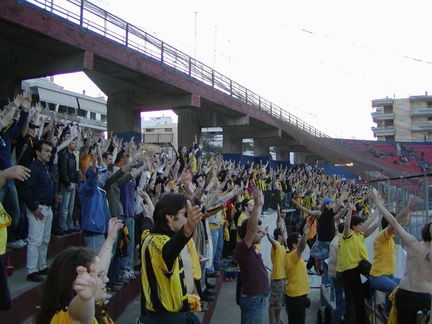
(397, 192)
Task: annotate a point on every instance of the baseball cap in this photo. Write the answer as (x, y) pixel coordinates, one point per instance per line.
(98, 168)
(328, 200)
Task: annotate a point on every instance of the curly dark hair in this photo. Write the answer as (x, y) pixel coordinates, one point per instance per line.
(58, 288)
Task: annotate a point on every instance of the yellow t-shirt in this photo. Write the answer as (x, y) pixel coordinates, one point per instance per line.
(352, 250)
(62, 317)
(5, 221)
(240, 221)
(384, 262)
(278, 252)
(167, 286)
(297, 278)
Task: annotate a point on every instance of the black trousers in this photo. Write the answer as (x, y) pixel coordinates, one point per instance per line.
(296, 309)
(408, 303)
(354, 296)
(5, 297)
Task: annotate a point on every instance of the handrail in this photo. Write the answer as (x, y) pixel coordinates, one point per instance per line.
(95, 19)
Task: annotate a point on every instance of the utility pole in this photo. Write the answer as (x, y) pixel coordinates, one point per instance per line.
(195, 55)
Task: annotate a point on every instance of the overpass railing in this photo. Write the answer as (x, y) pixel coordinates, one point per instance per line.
(95, 19)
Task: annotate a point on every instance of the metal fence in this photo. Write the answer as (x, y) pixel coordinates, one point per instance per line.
(397, 193)
(109, 26)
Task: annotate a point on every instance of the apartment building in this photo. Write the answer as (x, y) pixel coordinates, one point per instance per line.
(89, 112)
(406, 120)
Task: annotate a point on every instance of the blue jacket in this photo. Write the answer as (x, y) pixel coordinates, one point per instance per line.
(95, 213)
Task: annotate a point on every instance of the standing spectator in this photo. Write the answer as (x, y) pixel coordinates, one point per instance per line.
(9, 130)
(297, 286)
(19, 173)
(174, 223)
(68, 180)
(95, 213)
(255, 283)
(39, 194)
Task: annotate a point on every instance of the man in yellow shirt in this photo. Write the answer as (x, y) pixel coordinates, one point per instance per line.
(277, 277)
(384, 262)
(297, 285)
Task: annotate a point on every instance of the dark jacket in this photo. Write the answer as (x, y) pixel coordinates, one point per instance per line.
(67, 168)
(39, 188)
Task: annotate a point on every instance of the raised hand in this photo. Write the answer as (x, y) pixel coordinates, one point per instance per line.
(16, 172)
(194, 215)
(85, 282)
(114, 226)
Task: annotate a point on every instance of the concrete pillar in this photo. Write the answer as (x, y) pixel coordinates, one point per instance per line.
(123, 119)
(260, 148)
(282, 154)
(299, 157)
(188, 127)
(232, 143)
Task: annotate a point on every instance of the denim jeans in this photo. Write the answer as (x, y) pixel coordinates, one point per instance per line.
(93, 241)
(218, 241)
(320, 251)
(385, 284)
(252, 309)
(336, 284)
(127, 263)
(66, 208)
(9, 199)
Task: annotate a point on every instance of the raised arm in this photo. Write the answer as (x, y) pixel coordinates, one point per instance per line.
(316, 213)
(406, 238)
(369, 226)
(302, 243)
(252, 224)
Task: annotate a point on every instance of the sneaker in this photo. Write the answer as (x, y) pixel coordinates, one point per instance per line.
(34, 277)
(127, 276)
(43, 272)
(213, 274)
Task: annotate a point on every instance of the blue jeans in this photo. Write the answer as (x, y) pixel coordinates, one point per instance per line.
(127, 263)
(218, 241)
(336, 284)
(9, 199)
(385, 284)
(66, 208)
(93, 241)
(320, 251)
(252, 309)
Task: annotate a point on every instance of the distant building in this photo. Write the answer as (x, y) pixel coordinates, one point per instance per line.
(406, 120)
(161, 131)
(89, 112)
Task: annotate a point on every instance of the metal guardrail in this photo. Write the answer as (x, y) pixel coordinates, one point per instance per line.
(107, 25)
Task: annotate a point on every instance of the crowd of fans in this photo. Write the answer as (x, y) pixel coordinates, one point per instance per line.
(137, 210)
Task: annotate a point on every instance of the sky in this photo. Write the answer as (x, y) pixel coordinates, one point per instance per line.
(323, 61)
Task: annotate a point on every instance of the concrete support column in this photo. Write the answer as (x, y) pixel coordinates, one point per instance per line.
(260, 147)
(299, 157)
(282, 154)
(122, 116)
(188, 127)
(232, 143)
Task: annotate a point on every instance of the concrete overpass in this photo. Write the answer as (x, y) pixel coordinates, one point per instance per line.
(140, 72)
